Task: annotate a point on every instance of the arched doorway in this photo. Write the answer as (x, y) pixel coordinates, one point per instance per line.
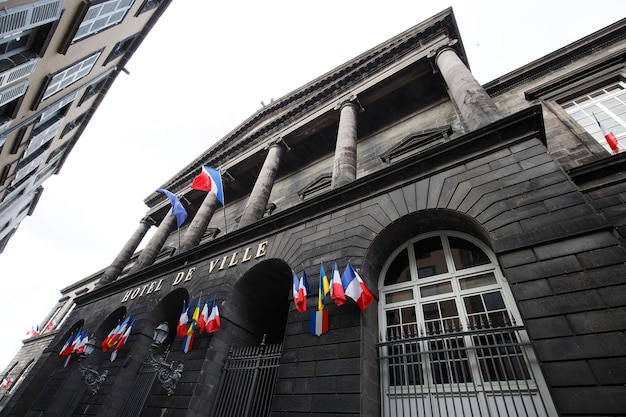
(257, 309)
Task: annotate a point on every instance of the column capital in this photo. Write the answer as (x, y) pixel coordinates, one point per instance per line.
(352, 100)
(148, 220)
(278, 141)
(434, 53)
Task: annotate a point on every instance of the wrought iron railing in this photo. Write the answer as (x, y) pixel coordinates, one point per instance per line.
(481, 372)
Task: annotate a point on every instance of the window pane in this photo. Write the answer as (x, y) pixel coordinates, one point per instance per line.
(399, 269)
(435, 289)
(429, 257)
(493, 301)
(477, 281)
(473, 304)
(396, 297)
(466, 254)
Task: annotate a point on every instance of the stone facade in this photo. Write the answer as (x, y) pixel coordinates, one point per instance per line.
(523, 180)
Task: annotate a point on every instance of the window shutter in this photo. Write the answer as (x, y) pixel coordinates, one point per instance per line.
(17, 73)
(30, 16)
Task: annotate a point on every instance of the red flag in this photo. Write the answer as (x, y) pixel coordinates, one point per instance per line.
(209, 180)
(213, 324)
(50, 325)
(120, 330)
(609, 136)
(65, 349)
(181, 328)
(6, 382)
(121, 342)
(204, 316)
(303, 292)
(355, 288)
(336, 288)
(80, 344)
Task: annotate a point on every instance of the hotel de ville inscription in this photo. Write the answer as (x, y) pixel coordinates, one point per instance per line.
(222, 263)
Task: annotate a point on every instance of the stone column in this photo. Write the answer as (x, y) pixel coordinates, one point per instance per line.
(475, 105)
(198, 225)
(257, 202)
(344, 165)
(152, 249)
(115, 269)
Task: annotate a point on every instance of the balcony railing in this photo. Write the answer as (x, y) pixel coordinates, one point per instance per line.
(483, 372)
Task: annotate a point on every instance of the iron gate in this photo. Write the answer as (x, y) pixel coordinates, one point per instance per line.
(248, 379)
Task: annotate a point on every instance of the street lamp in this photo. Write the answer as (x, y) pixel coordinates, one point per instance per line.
(167, 374)
(93, 379)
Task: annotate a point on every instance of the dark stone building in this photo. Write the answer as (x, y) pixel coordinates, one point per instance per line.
(487, 221)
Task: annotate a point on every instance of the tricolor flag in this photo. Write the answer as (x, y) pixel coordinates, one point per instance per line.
(34, 331)
(122, 341)
(177, 207)
(66, 349)
(209, 180)
(6, 382)
(213, 324)
(113, 332)
(81, 343)
(324, 288)
(181, 327)
(303, 291)
(609, 136)
(204, 316)
(188, 339)
(336, 288)
(49, 325)
(318, 323)
(119, 332)
(355, 288)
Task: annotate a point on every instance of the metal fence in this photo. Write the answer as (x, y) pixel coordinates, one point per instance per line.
(484, 372)
(247, 383)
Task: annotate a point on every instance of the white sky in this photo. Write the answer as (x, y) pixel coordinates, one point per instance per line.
(204, 69)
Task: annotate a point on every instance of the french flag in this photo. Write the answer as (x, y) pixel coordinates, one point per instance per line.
(213, 324)
(355, 288)
(202, 320)
(609, 136)
(181, 327)
(318, 323)
(336, 288)
(209, 180)
(302, 292)
(295, 288)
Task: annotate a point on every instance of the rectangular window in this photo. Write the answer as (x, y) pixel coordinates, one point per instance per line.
(70, 75)
(608, 106)
(102, 15)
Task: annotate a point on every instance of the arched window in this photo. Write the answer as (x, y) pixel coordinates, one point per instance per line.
(453, 343)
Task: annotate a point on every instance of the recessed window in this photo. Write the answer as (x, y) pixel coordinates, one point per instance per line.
(451, 332)
(120, 48)
(608, 105)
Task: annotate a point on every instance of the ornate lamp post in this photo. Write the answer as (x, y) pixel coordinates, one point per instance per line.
(93, 379)
(167, 374)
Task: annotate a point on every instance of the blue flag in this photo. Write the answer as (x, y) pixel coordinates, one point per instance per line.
(177, 208)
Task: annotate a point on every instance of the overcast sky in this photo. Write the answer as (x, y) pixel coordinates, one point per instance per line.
(204, 69)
